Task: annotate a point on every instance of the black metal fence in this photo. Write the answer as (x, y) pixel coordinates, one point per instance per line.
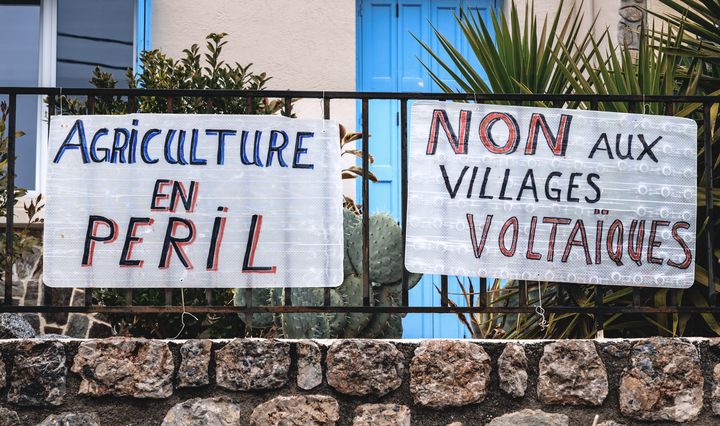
(707, 217)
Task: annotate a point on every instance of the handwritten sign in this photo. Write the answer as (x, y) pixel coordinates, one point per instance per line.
(552, 195)
(147, 200)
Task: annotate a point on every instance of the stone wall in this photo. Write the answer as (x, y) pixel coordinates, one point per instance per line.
(434, 382)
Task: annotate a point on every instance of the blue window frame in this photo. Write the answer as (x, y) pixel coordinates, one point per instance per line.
(59, 43)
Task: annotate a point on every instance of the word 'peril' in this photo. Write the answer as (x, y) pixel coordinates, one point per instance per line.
(179, 233)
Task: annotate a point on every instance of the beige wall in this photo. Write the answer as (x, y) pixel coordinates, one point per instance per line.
(302, 44)
(308, 44)
(606, 11)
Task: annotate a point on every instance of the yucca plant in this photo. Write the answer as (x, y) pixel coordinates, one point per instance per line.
(585, 67)
(516, 55)
(700, 20)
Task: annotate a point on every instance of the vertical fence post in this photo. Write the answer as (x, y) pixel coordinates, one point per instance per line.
(248, 315)
(709, 210)
(287, 291)
(10, 201)
(599, 317)
(47, 291)
(130, 108)
(444, 300)
(404, 194)
(366, 202)
(326, 116)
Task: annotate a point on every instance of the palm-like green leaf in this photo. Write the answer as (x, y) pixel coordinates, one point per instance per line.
(701, 21)
(516, 57)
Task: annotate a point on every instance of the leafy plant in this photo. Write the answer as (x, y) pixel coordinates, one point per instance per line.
(699, 21)
(517, 56)
(23, 239)
(194, 70)
(676, 60)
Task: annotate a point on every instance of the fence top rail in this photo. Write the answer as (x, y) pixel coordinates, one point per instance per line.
(212, 93)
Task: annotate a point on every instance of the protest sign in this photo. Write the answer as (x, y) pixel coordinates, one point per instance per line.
(551, 195)
(167, 200)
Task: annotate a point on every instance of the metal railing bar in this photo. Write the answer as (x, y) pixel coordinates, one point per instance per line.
(248, 315)
(404, 196)
(223, 309)
(444, 300)
(130, 107)
(483, 292)
(326, 116)
(287, 292)
(709, 208)
(522, 293)
(10, 199)
(286, 94)
(88, 296)
(599, 317)
(365, 203)
(47, 291)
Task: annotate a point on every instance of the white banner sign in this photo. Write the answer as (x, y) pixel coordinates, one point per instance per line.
(147, 200)
(552, 194)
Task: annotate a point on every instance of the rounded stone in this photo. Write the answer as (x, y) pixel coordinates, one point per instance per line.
(572, 373)
(9, 417)
(716, 390)
(663, 382)
(512, 370)
(138, 368)
(253, 364)
(71, 419)
(529, 417)
(364, 367)
(38, 374)
(194, 363)
(304, 410)
(3, 374)
(309, 374)
(382, 415)
(219, 411)
(14, 326)
(447, 373)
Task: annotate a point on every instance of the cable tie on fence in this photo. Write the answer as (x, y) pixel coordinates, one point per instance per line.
(184, 312)
(540, 310)
(646, 106)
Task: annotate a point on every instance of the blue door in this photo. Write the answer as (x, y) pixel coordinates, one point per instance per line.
(387, 61)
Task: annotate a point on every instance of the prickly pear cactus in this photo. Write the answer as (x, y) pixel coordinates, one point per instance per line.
(352, 237)
(352, 293)
(305, 325)
(386, 255)
(386, 269)
(260, 297)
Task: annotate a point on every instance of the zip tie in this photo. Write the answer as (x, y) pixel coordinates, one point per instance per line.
(540, 310)
(184, 312)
